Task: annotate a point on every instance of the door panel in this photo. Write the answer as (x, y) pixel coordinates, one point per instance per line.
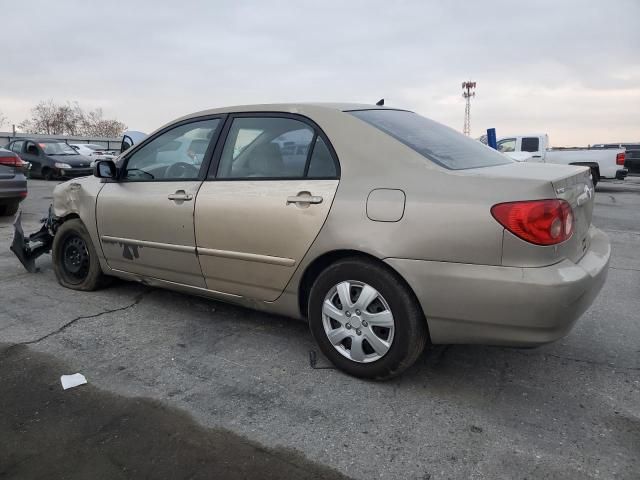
(145, 221)
(143, 231)
(251, 235)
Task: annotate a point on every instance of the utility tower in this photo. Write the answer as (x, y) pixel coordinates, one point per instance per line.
(467, 93)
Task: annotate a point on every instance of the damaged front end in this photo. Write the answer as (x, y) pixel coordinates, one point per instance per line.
(27, 249)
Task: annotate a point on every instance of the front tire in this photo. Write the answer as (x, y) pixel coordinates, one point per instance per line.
(366, 320)
(47, 174)
(75, 260)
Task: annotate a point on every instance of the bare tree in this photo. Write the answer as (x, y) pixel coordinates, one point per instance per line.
(94, 125)
(3, 118)
(70, 119)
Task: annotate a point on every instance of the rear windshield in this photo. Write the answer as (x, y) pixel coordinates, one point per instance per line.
(438, 143)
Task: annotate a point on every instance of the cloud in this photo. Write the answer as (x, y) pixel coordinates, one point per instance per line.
(570, 68)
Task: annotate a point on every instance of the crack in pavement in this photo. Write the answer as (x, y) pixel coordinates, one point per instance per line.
(580, 360)
(137, 299)
(625, 269)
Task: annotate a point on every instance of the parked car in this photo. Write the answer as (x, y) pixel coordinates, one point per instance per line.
(632, 154)
(391, 232)
(93, 151)
(51, 159)
(131, 138)
(13, 183)
(535, 148)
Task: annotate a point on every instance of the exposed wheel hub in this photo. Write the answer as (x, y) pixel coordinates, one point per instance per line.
(75, 257)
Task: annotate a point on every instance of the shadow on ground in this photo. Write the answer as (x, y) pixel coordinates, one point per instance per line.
(46, 432)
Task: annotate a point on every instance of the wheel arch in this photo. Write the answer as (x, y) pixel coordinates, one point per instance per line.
(329, 258)
(594, 166)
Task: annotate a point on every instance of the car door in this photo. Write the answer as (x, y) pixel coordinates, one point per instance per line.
(531, 145)
(145, 219)
(267, 196)
(32, 154)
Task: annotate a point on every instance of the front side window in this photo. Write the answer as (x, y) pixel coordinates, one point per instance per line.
(265, 147)
(175, 154)
(434, 141)
(31, 149)
(507, 145)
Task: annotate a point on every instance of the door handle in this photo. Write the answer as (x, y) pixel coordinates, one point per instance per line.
(180, 196)
(304, 198)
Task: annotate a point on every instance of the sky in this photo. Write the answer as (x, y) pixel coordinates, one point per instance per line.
(567, 68)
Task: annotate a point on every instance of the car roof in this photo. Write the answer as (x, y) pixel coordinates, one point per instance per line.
(289, 108)
(38, 140)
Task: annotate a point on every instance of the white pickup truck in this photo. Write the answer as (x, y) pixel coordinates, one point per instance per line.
(535, 148)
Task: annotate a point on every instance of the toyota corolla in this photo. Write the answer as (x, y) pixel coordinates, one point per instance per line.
(383, 229)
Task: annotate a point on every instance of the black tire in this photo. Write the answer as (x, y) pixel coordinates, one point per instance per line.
(75, 260)
(47, 174)
(411, 334)
(9, 209)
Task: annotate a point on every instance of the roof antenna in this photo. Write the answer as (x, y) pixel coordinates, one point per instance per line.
(380, 102)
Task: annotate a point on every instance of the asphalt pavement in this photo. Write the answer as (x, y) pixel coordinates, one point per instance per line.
(183, 387)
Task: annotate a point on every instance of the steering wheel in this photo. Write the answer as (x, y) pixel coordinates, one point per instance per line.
(181, 170)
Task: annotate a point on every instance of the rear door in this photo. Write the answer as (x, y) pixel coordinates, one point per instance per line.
(264, 202)
(531, 145)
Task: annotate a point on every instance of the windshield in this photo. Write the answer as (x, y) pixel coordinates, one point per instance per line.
(438, 143)
(59, 148)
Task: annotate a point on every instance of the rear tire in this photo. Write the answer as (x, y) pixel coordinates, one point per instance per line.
(361, 346)
(75, 260)
(9, 209)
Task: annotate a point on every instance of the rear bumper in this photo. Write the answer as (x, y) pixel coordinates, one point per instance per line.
(13, 189)
(512, 306)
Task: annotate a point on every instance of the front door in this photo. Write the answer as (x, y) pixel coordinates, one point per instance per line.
(145, 220)
(32, 154)
(261, 209)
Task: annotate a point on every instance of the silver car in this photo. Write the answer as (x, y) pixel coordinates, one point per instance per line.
(383, 229)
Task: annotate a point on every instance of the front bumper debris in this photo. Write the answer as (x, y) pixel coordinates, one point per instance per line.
(29, 248)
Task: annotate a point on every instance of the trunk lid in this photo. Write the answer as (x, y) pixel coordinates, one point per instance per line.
(579, 192)
(532, 181)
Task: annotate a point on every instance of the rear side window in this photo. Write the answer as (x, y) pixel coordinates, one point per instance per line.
(434, 141)
(530, 144)
(265, 147)
(321, 164)
(274, 148)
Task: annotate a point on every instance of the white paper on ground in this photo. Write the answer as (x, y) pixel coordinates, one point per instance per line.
(70, 381)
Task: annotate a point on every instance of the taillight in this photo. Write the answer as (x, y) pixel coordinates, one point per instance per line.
(620, 158)
(12, 161)
(542, 222)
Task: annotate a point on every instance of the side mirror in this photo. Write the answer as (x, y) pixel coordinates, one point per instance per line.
(104, 169)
